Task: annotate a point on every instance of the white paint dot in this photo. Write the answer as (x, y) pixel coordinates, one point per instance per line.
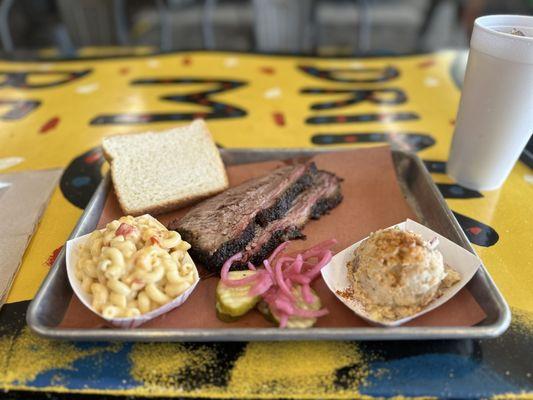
(528, 178)
(45, 66)
(430, 81)
(153, 63)
(86, 89)
(9, 162)
(231, 62)
(273, 93)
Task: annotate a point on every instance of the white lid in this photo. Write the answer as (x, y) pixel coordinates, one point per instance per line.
(492, 36)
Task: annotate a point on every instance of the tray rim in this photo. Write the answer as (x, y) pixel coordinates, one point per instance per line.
(498, 327)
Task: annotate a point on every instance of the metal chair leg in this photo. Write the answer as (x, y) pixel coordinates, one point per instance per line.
(5, 34)
(208, 29)
(121, 23)
(166, 26)
(364, 26)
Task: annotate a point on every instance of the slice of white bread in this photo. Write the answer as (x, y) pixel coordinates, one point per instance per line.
(156, 172)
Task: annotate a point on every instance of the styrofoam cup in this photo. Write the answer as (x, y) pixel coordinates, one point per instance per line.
(495, 117)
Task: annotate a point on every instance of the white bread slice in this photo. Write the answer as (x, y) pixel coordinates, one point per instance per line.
(156, 172)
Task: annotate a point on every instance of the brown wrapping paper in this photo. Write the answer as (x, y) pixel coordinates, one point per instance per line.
(372, 200)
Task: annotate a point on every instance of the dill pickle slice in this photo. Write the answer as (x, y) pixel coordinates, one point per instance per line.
(224, 317)
(301, 322)
(235, 301)
(264, 309)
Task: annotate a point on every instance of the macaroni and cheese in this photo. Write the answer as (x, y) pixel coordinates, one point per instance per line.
(133, 266)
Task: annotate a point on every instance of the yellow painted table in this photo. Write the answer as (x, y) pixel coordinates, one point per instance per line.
(54, 114)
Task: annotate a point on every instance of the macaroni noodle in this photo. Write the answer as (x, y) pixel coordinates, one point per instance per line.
(133, 266)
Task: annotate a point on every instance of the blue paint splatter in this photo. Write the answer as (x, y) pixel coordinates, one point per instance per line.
(104, 370)
(443, 375)
(456, 190)
(80, 181)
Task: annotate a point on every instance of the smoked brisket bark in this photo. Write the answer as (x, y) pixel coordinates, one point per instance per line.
(223, 225)
(317, 200)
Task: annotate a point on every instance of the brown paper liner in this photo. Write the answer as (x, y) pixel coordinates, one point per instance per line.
(372, 200)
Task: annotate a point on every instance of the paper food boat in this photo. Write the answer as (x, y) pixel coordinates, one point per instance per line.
(86, 298)
(464, 262)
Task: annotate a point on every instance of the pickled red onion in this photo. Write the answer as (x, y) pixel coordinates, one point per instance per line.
(284, 305)
(283, 319)
(266, 263)
(317, 249)
(278, 276)
(274, 282)
(277, 250)
(310, 313)
(224, 273)
(297, 265)
(302, 280)
(261, 286)
(306, 293)
(313, 272)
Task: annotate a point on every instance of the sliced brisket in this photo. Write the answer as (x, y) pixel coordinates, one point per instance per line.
(323, 195)
(223, 225)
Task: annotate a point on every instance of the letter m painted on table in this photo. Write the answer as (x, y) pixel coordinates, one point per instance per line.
(201, 99)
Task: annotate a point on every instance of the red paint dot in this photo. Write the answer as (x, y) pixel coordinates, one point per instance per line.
(279, 118)
(200, 115)
(143, 118)
(49, 125)
(475, 230)
(124, 71)
(91, 158)
(452, 122)
(426, 63)
(268, 70)
(350, 139)
(186, 61)
(52, 258)
(341, 118)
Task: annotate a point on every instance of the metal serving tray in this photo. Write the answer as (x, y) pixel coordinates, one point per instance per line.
(49, 305)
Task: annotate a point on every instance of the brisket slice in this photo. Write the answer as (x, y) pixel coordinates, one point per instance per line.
(223, 225)
(323, 195)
